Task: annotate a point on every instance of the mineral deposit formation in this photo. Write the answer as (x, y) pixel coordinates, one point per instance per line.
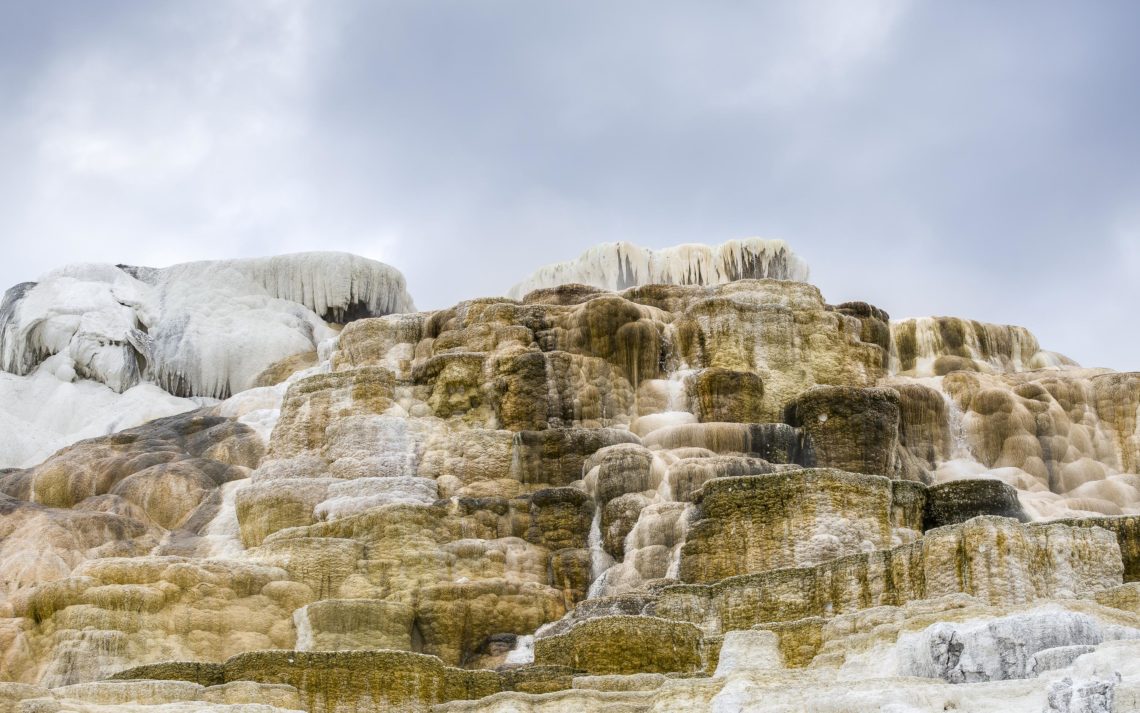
(673, 480)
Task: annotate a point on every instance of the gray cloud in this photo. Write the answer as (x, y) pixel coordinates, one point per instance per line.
(976, 159)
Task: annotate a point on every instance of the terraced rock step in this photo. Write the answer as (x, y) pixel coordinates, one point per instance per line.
(802, 517)
(994, 559)
(625, 645)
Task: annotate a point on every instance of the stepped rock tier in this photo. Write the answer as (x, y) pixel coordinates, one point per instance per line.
(646, 481)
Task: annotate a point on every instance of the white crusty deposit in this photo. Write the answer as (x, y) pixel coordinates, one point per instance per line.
(201, 330)
(616, 266)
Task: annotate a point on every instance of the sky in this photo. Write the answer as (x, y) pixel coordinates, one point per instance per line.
(975, 159)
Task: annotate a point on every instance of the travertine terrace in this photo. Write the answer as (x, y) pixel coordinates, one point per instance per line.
(646, 481)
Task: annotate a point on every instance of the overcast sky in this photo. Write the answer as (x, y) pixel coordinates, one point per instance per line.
(979, 159)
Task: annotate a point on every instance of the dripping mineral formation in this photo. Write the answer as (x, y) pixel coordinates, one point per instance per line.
(646, 481)
(90, 349)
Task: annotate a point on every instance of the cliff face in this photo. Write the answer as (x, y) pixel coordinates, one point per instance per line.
(716, 493)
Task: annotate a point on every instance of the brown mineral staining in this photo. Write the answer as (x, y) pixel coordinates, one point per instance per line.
(755, 523)
(726, 395)
(849, 428)
(624, 645)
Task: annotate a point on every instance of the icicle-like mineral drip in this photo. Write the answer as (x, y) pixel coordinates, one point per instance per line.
(674, 571)
(929, 346)
(85, 656)
(959, 443)
(600, 560)
(195, 329)
(652, 546)
(523, 652)
(337, 286)
(222, 533)
(617, 266)
(304, 627)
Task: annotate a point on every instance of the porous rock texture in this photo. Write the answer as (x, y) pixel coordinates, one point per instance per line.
(645, 481)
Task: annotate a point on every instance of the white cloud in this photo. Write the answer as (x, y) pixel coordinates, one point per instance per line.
(827, 44)
(162, 146)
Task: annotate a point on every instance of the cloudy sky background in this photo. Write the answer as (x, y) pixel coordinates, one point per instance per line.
(969, 158)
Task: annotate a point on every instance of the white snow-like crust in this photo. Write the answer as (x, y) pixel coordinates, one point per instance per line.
(41, 413)
(616, 266)
(333, 285)
(1047, 659)
(92, 348)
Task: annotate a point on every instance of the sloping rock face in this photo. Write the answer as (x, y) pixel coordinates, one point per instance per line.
(676, 487)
